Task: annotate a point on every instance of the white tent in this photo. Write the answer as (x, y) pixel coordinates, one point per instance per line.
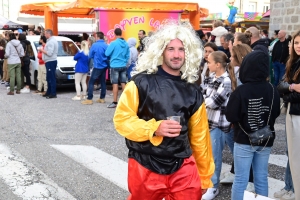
(6, 24)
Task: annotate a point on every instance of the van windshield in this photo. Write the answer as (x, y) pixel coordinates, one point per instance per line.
(65, 48)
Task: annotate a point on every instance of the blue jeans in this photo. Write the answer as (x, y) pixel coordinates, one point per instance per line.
(218, 139)
(51, 77)
(244, 157)
(279, 71)
(97, 73)
(129, 70)
(118, 73)
(289, 186)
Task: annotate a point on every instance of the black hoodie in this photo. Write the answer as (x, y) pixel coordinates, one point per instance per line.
(25, 44)
(250, 103)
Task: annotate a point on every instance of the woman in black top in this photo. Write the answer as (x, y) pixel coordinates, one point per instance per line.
(292, 76)
(253, 105)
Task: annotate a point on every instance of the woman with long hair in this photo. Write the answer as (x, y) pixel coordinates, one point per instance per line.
(209, 47)
(216, 91)
(252, 106)
(13, 52)
(292, 76)
(25, 62)
(81, 70)
(238, 53)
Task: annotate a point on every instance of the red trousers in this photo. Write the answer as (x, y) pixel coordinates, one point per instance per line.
(146, 185)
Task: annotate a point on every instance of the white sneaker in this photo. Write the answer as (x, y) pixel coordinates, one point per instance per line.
(76, 98)
(288, 196)
(8, 88)
(210, 194)
(25, 90)
(229, 178)
(250, 187)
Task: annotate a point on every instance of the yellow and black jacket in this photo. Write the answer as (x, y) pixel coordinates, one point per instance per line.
(146, 101)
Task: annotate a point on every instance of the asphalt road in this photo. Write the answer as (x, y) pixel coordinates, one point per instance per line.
(30, 128)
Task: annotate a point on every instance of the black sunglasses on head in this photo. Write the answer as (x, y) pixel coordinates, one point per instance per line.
(16, 34)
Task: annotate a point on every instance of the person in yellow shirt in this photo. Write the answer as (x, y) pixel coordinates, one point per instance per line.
(167, 159)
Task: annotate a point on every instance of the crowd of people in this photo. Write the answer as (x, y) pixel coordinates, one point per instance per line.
(234, 96)
(224, 86)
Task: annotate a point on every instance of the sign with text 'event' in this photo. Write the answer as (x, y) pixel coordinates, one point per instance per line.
(130, 22)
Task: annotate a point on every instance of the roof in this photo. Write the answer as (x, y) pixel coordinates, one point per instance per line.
(267, 14)
(84, 8)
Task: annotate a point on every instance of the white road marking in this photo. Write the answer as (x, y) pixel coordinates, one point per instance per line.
(115, 170)
(104, 164)
(279, 160)
(274, 184)
(25, 180)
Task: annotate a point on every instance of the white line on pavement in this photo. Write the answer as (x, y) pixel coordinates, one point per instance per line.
(25, 180)
(279, 160)
(105, 165)
(115, 170)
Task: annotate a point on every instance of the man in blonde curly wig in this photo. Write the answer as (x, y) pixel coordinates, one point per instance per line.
(167, 159)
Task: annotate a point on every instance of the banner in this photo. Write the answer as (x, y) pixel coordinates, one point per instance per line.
(252, 16)
(130, 22)
(212, 16)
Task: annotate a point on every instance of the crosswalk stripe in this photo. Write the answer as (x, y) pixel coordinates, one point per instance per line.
(115, 170)
(105, 165)
(17, 172)
(279, 160)
(20, 176)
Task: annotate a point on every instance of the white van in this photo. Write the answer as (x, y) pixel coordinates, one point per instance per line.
(65, 69)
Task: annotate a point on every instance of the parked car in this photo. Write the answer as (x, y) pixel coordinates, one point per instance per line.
(65, 70)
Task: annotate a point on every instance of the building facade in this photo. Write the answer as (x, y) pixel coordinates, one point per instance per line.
(285, 15)
(220, 7)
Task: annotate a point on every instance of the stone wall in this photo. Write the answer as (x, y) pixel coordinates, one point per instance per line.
(285, 15)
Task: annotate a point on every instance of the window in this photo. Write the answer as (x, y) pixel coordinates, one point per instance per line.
(266, 7)
(65, 48)
(252, 7)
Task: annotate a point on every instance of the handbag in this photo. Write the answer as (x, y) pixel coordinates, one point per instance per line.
(261, 135)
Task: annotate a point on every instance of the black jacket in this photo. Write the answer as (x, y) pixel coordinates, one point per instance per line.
(263, 42)
(294, 97)
(155, 91)
(280, 51)
(250, 103)
(26, 57)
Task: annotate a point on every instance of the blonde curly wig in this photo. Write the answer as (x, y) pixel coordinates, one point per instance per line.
(169, 30)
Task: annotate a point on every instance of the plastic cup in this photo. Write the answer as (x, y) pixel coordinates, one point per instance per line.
(174, 118)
